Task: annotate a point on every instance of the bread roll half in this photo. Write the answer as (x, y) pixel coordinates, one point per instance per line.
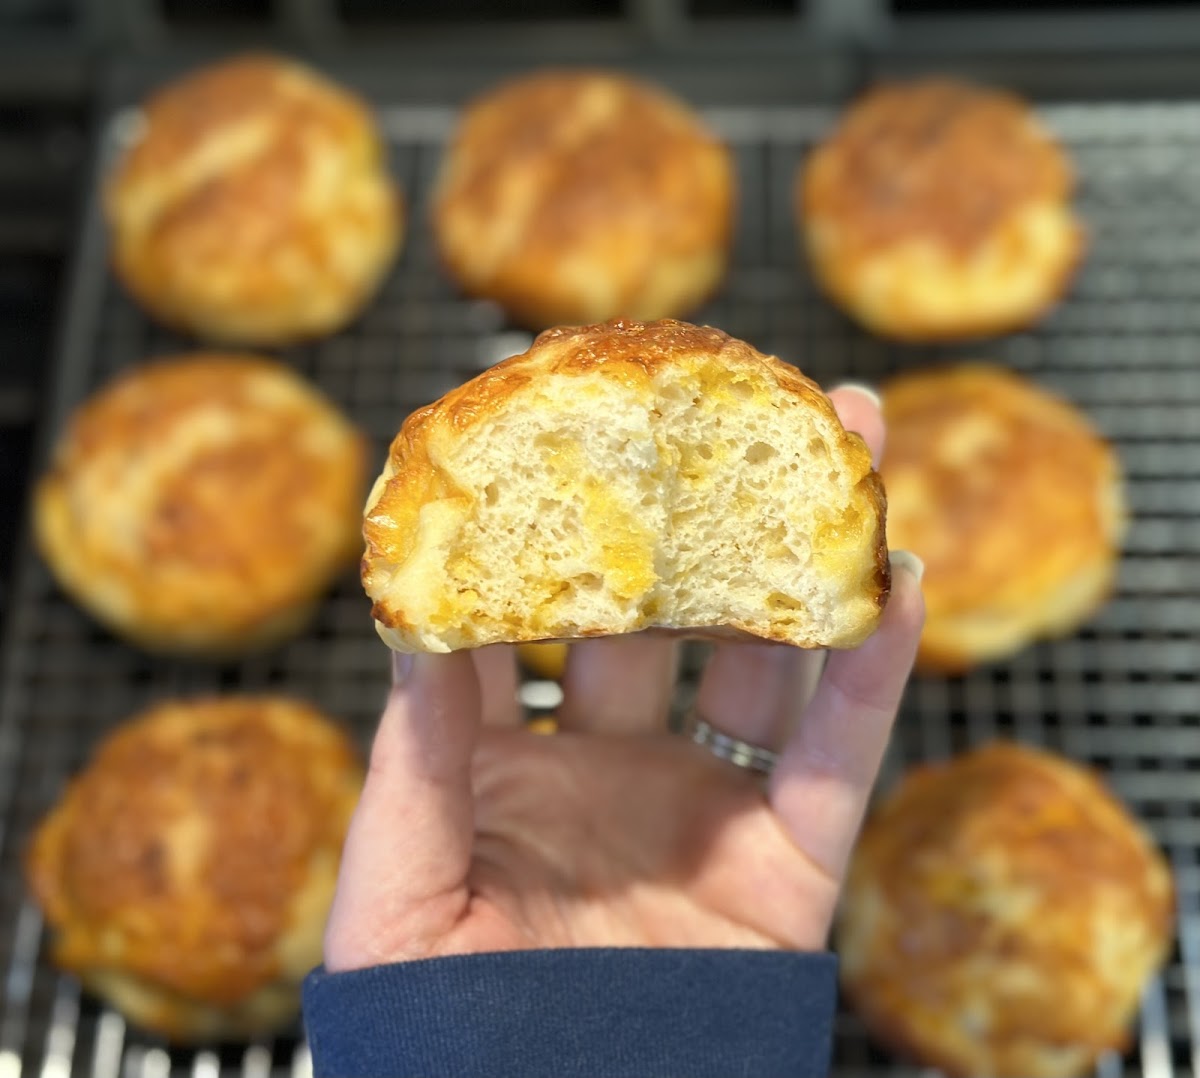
(626, 476)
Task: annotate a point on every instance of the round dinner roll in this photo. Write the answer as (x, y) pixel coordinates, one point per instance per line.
(546, 660)
(1012, 501)
(203, 503)
(938, 210)
(572, 197)
(254, 205)
(625, 476)
(187, 871)
(1002, 915)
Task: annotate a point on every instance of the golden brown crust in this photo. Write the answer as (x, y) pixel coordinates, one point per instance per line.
(937, 159)
(571, 197)
(624, 350)
(1001, 915)
(202, 503)
(255, 206)
(939, 211)
(547, 659)
(196, 853)
(910, 322)
(1009, 497)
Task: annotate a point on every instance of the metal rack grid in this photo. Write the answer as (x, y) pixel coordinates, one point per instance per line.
(1122, 694)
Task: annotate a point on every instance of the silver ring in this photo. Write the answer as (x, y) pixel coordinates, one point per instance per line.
(733, 749)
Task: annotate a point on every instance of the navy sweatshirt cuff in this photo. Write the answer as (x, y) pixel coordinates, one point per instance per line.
(600, 1013)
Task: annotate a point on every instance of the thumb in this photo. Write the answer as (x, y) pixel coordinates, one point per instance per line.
(402, 884)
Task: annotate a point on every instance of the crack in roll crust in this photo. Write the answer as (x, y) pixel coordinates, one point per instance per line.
(626, 476)
(1002, 915)
(937, 210)
(187, 871)
(203, 503)
(573, 197)
(255, 205)
(1010, 498)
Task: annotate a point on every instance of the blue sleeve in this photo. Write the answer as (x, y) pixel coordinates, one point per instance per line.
(599, 1013)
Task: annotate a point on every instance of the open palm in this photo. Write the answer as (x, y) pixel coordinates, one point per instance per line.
(475, 835)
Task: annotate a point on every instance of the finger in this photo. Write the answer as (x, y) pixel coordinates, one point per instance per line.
(402, 883)
(823, 780)
(618, 684)
(756, 692)
(497, 669)
(859, 410)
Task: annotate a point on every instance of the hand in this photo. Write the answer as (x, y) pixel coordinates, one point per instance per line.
(474, 835)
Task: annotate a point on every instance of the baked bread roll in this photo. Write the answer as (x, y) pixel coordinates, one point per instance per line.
(572, 197)
(203, 504)
(938, 210)
(1002, 915)
(255, 206)
(1011, 499)
(624, 476)
(546, 660)
(187, 872)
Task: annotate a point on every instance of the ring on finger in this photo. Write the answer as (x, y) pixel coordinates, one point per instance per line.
(743, 754)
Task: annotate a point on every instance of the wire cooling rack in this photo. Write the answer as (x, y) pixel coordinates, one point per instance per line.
(1122, 694)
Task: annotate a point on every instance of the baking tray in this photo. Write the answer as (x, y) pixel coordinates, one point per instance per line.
(1121, 695)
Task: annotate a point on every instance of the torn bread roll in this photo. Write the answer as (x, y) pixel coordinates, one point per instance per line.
(626, 476)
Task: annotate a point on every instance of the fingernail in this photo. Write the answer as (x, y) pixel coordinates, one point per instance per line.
(402, 665)
(905, 561)
(866, 391)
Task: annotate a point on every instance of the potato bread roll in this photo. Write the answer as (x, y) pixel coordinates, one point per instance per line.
(625, 476)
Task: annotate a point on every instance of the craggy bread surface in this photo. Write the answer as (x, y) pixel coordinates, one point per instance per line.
(1011, 499)
(254, 204)
(191, 864)
(202, 502)
(575, 196)
(940, 210)
(1002, 914)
